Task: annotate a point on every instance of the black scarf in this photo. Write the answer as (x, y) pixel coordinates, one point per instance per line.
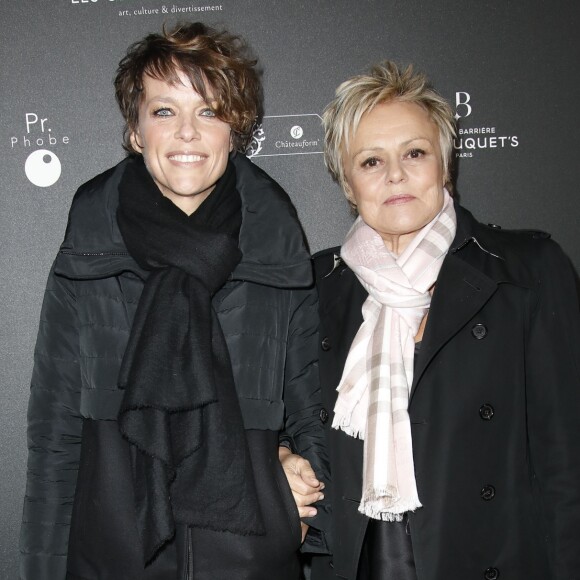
(180, 412)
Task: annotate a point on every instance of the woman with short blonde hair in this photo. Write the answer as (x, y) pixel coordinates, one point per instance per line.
(450, 355)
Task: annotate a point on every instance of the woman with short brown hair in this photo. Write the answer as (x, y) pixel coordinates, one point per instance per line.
(177, 342)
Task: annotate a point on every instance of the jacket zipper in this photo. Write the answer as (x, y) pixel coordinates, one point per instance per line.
(189, 572)
(106, 273)
(71, 253)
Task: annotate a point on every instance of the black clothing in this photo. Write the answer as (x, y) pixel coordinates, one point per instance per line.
(104, 516)
(386, 553)
(494, 412)
(268, 313)
(180, 409)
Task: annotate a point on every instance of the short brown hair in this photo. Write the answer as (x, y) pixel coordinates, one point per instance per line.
(211, 59)
(386, 82)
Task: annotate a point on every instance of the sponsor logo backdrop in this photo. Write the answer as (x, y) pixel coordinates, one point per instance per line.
(508, 68)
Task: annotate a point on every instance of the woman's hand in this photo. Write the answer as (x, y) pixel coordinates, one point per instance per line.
(305, 487)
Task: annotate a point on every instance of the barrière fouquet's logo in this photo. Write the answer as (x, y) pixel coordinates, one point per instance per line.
(470, 140)
(42, 166)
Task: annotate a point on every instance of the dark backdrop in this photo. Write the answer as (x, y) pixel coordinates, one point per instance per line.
(510, 68)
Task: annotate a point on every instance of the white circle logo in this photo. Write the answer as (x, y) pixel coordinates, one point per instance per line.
(296, 132)
(42, 168)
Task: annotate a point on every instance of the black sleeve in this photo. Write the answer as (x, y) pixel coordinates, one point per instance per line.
(553, 407)
(302, 400)
(54, 435)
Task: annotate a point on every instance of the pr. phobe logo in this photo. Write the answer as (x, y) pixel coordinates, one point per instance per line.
(42, 166)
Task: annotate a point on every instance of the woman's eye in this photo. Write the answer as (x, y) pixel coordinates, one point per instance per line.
(370, 162)
(208, 112)
(162, 112)
(416, 153)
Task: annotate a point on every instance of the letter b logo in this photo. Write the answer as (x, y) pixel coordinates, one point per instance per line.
(462, 100)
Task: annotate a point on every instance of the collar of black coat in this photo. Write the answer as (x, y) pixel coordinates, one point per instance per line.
(501, 255)
(480, 259)
(479, 252)
(272, 242)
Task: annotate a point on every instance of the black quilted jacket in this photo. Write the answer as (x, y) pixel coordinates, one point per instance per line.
(267, 310)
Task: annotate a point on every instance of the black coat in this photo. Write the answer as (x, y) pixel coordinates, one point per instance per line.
(267, 310)
(494, 408)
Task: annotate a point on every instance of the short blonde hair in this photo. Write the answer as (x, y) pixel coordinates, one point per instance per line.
(358, 95)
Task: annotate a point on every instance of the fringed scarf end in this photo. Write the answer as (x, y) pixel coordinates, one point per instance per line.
(343, 423)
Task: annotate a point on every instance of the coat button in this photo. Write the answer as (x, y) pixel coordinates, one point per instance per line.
(494, 226)
(323, 415)
(487, 492)
(325, 344)
(486, 412)
(479, 331)
(491, 573)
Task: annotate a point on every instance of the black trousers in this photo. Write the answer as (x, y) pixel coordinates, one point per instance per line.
(104, 542)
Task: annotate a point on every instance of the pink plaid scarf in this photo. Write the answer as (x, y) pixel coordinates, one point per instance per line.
(376, 382)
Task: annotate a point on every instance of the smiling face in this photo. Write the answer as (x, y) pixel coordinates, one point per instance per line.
(394, 171)
(184, 145)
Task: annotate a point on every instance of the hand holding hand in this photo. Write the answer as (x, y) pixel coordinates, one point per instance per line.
(305, 487)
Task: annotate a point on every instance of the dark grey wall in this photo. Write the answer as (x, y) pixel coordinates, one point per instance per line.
(516, 61)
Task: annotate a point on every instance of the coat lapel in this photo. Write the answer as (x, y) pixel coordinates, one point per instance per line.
(461, 291)
(467, 280)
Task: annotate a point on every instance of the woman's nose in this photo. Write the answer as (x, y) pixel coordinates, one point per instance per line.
(395, 172)
(187, 130)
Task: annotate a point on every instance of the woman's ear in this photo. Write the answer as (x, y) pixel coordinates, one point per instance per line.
(348, 193)
(135, 141)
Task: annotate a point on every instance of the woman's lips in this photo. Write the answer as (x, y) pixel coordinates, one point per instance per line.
(186, 157)
(399, 199)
